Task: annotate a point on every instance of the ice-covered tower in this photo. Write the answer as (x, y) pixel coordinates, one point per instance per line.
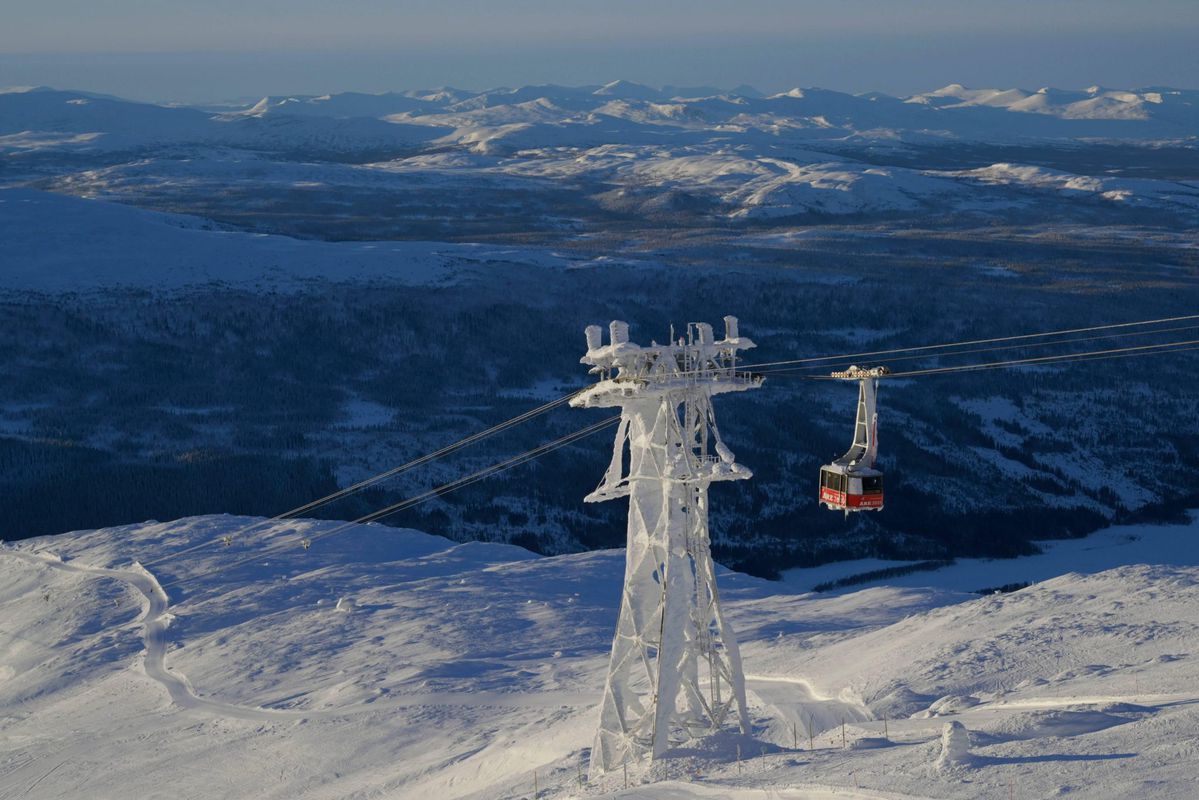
(675, 670)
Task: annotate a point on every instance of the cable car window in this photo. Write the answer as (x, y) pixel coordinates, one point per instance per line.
(873, 484)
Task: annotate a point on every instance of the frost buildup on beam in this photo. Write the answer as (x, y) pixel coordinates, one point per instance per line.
(675, 670)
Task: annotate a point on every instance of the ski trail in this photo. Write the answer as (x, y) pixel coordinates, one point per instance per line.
(1065, 701)
(676, 790)
(156, 619)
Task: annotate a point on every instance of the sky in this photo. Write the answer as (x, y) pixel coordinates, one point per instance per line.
(207, 50)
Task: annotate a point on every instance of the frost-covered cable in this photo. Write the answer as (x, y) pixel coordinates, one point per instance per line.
(968, 342)
(459, 483)
(810, 367)
(528, 455)
(374, 479)
(1094, 355)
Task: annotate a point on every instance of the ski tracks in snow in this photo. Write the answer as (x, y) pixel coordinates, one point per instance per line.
(155, 621)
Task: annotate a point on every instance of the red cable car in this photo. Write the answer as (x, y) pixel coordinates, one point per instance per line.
(851, 483)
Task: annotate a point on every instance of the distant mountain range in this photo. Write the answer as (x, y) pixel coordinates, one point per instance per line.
(448, 163)
(614, 112)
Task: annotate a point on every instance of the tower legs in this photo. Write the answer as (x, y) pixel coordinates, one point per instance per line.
(674, 672)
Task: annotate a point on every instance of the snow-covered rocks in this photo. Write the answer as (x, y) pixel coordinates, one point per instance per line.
(948, 705)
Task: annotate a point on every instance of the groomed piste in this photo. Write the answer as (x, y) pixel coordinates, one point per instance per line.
(398, 664)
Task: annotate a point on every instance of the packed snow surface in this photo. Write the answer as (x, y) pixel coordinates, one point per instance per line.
(391, 663)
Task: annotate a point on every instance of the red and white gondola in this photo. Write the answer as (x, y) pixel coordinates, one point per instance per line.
(851, 483)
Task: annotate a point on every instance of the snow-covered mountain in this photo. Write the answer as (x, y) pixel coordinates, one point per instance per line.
(42, 119)
(578, 156)
(386, 662)
(952, 112)
(1094, 103)
(241, 308)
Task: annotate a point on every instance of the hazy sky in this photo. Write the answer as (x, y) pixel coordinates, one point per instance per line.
(212, 49)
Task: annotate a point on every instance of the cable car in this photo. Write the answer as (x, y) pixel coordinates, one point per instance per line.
(851, 483)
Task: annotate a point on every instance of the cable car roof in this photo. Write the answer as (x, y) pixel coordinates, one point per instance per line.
(851, 470)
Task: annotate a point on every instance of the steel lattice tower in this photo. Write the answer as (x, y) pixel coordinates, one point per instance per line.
(675, 670)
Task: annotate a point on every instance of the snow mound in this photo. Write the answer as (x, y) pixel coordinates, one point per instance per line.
(948, 705)
(1056, 722)
(955, 749)
(870, 743)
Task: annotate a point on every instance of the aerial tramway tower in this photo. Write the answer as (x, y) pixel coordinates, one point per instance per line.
(675, 671)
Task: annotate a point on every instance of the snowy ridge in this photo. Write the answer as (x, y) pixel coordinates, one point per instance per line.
(953, 111)
(1093, 103)
(458, 670)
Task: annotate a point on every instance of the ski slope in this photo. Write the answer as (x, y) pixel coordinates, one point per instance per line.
(392, 663)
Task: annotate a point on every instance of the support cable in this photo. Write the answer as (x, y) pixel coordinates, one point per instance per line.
(846, 365)
(459, 483)
(1093, 355)
(780, 369)
(374, 479)
(968, 342)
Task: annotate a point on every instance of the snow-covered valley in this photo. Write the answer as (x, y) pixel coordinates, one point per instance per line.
(391, 663)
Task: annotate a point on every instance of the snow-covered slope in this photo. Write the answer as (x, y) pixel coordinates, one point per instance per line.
(56, 243)
(390, 663)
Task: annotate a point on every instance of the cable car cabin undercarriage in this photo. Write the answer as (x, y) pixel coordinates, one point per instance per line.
(851, 483)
